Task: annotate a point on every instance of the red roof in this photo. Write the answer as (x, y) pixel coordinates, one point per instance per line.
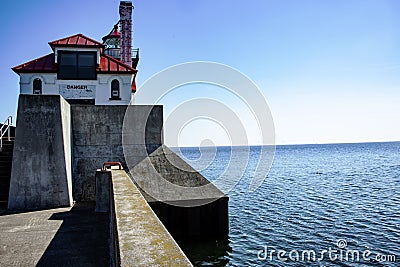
(79, 40)
(109, 64)
(46, 64)
(43, 64)
(113, 34)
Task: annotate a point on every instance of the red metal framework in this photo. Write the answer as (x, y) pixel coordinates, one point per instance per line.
(125, 13)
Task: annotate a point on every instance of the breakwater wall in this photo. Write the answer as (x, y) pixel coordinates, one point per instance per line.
(137, 236)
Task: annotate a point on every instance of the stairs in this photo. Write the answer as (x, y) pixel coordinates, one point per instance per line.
(6, 155)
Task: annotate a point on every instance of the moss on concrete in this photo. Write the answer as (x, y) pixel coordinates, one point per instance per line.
(143, 239)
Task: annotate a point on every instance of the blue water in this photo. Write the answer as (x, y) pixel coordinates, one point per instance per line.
(339, 197)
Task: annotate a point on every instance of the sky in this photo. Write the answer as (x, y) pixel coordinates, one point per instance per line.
(329, 70)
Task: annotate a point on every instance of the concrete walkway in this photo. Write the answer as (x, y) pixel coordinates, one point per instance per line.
(74, 236)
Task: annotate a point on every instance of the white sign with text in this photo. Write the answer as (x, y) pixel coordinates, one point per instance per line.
(78, 91)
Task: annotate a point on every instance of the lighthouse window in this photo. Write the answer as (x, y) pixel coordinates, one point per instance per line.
(115, 90)
(74, 65)
(37, 86)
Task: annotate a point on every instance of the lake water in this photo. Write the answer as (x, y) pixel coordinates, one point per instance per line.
(320, 205)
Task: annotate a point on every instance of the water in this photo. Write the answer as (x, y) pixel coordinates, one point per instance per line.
(315, 198)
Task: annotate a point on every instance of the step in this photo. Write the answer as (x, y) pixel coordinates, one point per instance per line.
(7, 149)
(5, 141)
(8, 144)
(5, 182)
(3, 186)
(5, 137)
(5, 173)
(4, 154)
(6, 158)
(6, 167)
(4, 191)
(5, 163)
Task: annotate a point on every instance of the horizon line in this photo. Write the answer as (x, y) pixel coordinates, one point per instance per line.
(292, 144)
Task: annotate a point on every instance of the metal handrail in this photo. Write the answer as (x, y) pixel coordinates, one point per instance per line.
(109, 164)
(115, 52)
(7, 125)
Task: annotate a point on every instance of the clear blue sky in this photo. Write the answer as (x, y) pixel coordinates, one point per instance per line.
(330, 70)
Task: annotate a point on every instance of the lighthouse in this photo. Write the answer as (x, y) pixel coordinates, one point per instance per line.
(70, 113)
(85, 71)
(75, 115)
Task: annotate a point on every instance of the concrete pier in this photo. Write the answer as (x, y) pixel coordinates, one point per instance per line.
(74, 236)
(129, 235)
(140, 238)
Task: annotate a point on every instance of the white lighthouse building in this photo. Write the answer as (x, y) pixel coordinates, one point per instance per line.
(85, 71)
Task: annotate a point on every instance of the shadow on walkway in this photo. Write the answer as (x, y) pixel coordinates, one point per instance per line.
(81, 240)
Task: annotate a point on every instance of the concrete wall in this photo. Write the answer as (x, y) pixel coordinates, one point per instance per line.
(184, 200)
(51, 86)
(41, 169)
(98, 135)
(200, 222)
(138, 237)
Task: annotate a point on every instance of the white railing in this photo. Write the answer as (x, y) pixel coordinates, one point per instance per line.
(5, 128)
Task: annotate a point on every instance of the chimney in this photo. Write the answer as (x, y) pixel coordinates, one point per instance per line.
(125, 15)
